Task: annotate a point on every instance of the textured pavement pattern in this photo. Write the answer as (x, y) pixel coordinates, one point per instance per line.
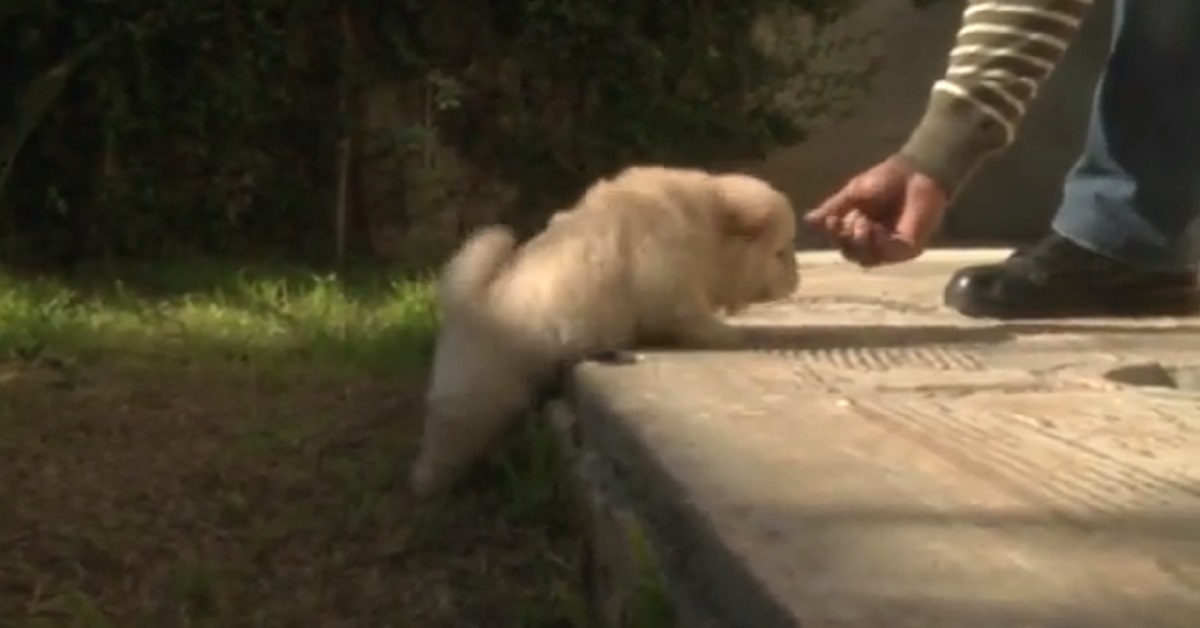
(876, 461)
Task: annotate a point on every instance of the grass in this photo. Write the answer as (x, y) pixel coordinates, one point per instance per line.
(203, 445)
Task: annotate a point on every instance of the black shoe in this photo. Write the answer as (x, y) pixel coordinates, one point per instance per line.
(1057, 278)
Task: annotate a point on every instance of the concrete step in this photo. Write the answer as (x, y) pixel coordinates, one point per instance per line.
(878, 462)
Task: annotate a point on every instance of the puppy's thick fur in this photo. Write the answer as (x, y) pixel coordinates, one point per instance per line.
(651, 256)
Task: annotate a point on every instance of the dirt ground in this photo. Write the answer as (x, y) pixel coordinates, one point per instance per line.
(162, 490)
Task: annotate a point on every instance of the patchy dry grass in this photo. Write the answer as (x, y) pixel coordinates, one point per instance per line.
(199, 447)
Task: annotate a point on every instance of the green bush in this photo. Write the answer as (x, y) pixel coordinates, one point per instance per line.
(147, 128)
(180, 131)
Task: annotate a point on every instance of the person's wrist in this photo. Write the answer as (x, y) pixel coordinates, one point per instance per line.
(945, 181)
(951, 141)
(930, 186)
(918, 176)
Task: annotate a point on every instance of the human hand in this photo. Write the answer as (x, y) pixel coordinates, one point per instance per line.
(885, 215)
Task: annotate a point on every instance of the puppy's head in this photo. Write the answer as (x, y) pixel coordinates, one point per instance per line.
(758, 229)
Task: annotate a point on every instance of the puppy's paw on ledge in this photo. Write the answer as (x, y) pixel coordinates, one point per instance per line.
(614, 357)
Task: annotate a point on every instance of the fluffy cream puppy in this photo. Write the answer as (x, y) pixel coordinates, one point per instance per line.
(650, 256)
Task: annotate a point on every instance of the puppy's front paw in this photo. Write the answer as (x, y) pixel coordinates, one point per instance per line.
(711, 334)
(613, 356)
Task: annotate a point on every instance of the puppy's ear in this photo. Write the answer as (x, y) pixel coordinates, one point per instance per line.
(746, 210)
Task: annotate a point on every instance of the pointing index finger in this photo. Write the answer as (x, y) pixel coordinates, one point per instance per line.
(835, 205)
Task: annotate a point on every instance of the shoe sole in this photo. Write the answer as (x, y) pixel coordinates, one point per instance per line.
(1146, 305)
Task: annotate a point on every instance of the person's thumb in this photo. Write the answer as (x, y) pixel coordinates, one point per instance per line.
(916, 222)
(924, 207)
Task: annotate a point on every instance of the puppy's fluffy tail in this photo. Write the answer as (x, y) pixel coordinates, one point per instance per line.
(464, 282)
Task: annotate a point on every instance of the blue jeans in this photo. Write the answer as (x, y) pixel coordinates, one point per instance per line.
(1135, 191)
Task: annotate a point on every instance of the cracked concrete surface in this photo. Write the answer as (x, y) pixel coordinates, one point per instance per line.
(876, 461)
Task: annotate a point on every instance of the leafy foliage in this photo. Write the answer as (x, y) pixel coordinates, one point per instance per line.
(147, 128)
(181, 132)
(559, 92)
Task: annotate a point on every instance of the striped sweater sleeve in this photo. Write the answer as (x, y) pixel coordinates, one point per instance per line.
(1003, 52)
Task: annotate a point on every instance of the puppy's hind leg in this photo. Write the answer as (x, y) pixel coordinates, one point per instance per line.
(458, 434)
(477, 389)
